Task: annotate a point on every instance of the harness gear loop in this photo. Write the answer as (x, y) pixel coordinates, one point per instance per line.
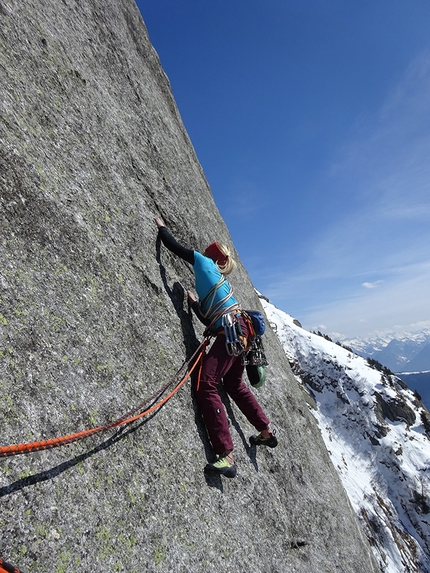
(232, 329)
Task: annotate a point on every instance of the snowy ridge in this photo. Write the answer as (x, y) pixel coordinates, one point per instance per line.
(400, 351)
(381, 339)
(377, 433)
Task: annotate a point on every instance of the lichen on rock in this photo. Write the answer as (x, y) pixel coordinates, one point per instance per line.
(94, 319)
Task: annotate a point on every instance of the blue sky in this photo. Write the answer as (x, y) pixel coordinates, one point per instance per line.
(311, 121)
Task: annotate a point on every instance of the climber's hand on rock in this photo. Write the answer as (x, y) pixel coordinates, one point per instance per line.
(191, 298)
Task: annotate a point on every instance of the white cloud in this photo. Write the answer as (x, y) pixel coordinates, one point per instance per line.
(402, 301)
(371, 285)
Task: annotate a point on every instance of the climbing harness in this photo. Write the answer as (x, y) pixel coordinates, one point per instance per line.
(182, 374)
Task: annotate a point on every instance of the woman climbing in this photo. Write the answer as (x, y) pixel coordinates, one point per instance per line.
(216, 303)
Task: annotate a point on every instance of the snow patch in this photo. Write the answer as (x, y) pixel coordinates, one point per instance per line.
(373, 428)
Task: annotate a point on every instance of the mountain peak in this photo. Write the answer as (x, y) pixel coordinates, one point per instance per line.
(396, 351)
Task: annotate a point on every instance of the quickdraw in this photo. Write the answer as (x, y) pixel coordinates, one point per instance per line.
(256, 355)
(233, 331)
(184, 372)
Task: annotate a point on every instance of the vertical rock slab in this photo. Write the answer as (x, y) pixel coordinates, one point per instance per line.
(93, 319)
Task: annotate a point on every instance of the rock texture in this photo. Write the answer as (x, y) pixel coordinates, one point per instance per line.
(93, 319)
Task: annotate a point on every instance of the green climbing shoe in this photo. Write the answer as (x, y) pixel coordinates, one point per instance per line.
(222, 467)
(270, 442)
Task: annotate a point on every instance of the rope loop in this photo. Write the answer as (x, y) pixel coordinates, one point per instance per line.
(7, 567)
(205, 343)
(183, 373)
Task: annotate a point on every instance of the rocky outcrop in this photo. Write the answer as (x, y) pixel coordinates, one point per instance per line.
(93, 319)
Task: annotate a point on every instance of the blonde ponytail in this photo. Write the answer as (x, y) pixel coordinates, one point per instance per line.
(230, 263)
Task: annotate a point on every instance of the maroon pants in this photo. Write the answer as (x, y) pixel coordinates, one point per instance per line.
(219, 365)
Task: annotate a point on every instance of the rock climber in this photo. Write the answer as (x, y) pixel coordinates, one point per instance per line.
(216, 299)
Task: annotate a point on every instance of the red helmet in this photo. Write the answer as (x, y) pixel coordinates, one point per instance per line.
(214, 252)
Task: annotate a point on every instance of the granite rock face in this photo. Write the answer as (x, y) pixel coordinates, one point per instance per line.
(93, 319)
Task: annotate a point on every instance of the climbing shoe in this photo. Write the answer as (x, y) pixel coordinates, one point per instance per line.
(270, 442)
(222, 467)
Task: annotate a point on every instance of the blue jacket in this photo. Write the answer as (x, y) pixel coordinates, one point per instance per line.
(206, 272)
(207, 276)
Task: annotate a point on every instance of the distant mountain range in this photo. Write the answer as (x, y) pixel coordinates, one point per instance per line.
(400, 353)
(406, 354)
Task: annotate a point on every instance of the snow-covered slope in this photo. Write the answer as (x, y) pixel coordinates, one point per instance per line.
(377, 433)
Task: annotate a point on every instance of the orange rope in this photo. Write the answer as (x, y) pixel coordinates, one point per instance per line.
(7, 568)
(205, 343)
(17, 449)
